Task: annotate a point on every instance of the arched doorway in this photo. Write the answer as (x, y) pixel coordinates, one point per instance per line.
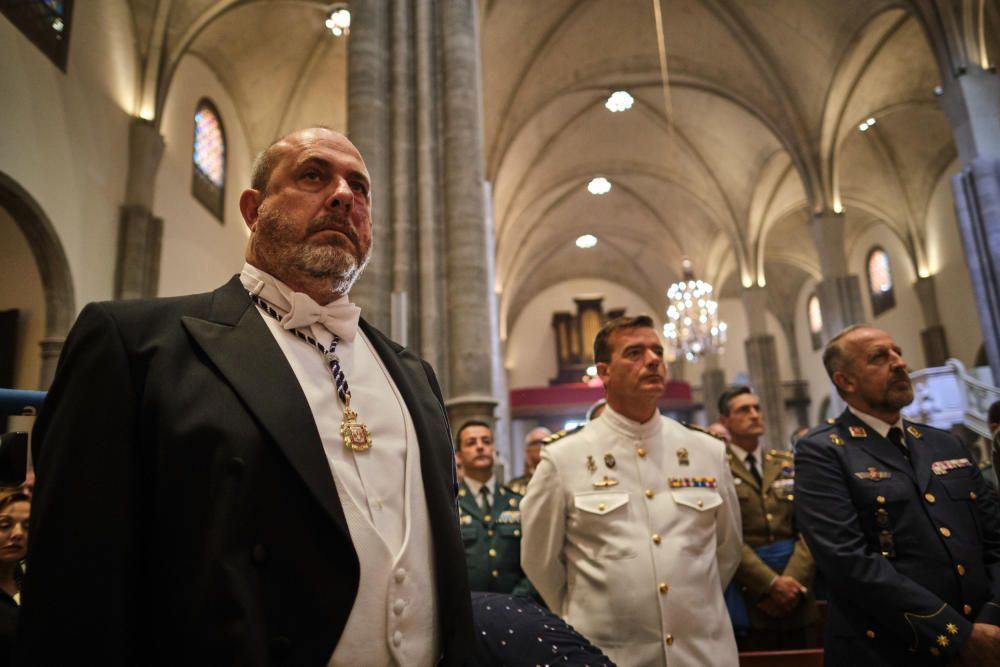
(21, 211)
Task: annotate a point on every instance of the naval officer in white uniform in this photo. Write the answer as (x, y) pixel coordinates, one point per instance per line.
(631, 525)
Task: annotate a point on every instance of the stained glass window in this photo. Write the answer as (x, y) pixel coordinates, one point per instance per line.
(209, 173)
(880, 284)
(815, 316)
(45, 22)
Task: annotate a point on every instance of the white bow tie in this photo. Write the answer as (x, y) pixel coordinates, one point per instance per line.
(340, 318)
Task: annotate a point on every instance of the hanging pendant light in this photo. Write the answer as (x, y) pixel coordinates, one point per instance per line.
(693, 327)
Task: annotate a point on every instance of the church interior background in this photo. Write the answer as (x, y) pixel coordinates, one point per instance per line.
(537, 167)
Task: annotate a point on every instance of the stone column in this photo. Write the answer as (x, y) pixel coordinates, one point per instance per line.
(404, 237)
(839, 292)
(469, 288)
(713, 383)
(51, 348)
(432, 339)
(970, 98)
(932, 336)
(140, 233)
(369, 128)
(762, 359)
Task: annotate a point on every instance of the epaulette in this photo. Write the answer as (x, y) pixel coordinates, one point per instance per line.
(695, 427)
(560, 434)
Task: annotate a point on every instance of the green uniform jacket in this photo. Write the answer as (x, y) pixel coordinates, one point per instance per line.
(768, 517)
(493, 543)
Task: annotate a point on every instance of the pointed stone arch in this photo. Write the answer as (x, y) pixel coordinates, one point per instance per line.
(50, 258)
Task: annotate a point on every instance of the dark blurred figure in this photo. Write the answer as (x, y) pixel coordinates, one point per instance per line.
(532, 455)
(796, 435)
(514, 631)
(15, 508)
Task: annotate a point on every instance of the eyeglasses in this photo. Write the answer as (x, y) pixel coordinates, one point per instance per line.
(7, 524)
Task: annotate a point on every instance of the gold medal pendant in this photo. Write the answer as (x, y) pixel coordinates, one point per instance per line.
(357, 437)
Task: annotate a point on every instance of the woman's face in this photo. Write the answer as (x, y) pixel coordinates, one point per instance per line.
(14, 531)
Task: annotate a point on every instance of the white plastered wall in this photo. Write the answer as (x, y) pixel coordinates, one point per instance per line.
(905, 320)
(734, 360)
(64, 137)
(810, 360)
(199, 253)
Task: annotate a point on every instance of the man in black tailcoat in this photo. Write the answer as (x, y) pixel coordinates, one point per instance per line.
(222, 477)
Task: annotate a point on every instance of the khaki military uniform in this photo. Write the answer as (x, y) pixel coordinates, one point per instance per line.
(493, 542)
(768, 517)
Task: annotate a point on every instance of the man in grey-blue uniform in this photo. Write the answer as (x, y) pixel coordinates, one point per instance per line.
(899, 520)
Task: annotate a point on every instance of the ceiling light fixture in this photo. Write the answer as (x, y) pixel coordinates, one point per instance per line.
(619, 100)
(586, 241)
(339, 22)
(599, 186)
(693, 326)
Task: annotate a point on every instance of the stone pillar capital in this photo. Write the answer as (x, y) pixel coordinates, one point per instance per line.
(755, 302)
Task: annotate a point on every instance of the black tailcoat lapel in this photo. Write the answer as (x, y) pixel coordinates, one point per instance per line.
(237, 341)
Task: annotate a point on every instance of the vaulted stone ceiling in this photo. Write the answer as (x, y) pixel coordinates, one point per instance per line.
(765, 101)
(275, 58)
(766, 98)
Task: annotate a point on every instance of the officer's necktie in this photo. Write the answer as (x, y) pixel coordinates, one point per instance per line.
(896, 438)
(484, 500)
(752, 467)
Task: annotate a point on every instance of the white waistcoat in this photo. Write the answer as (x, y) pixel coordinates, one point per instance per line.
(394, 620)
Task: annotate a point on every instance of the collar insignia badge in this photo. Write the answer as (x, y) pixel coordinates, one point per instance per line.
(914, 432)
(609, 460)
(682, 457)
(858, 432)
(591, 466)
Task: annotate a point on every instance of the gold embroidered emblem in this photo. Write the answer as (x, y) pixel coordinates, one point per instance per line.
(605, 483)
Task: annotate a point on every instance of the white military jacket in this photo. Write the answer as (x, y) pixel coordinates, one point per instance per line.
(631, 533)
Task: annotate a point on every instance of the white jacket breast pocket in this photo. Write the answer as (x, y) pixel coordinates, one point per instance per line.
(598, 526)
(697, 499)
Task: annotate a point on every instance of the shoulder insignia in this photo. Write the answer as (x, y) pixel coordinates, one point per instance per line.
(831, 421)
(836, 439)
(695, 427)
(560, 434)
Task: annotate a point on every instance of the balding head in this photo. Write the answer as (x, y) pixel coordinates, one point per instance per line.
(533, 448)
(867, 367)
(263, 165)
(309, 213)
